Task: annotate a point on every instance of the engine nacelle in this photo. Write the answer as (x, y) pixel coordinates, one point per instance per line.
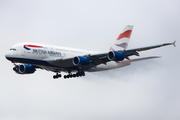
(116, 56)
(79, 60)
(24, 69)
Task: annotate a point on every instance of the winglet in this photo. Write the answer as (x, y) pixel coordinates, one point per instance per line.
(174, 43)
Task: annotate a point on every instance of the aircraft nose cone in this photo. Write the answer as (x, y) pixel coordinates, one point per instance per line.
(8, 55)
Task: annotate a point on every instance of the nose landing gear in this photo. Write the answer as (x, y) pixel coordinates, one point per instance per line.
(57, 76)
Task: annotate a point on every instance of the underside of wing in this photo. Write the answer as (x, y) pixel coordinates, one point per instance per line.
(67, 64)
(114, 65)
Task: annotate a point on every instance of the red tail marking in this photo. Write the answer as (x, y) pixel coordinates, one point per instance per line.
(126, 34)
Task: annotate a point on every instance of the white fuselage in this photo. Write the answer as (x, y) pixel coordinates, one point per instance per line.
(46, 52)
(45, 56)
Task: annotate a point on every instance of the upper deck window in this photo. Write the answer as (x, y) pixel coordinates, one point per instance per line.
(13, 49)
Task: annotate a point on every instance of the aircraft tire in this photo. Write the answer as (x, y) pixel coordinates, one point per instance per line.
(54, 77)
(65, 76)
(74, 75)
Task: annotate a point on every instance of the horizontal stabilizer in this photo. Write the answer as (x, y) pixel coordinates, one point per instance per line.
(144, 58)
(174, 43)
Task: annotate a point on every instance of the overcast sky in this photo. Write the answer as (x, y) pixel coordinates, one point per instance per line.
(146, 90)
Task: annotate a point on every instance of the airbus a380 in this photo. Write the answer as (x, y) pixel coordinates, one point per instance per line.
(27, 57)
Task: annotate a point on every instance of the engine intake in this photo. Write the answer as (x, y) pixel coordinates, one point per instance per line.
(24, 69)
(116, 56)
(79, 60)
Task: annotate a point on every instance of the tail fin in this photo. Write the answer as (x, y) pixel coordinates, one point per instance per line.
(121, 42)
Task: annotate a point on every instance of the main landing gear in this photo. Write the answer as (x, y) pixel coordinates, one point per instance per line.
(57, 76)
(78, 74)
(70, 75)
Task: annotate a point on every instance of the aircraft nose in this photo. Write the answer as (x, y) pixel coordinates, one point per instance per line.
(8, 55)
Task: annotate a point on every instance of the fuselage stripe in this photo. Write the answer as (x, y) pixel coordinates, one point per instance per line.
(33, 46)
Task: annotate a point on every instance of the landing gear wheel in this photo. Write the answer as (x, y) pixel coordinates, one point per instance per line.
(65, 76)
(83, 73)
(78, 74)
(56, 76)
(74, 75)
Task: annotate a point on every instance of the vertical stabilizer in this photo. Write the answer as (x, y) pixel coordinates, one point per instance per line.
(122, 41)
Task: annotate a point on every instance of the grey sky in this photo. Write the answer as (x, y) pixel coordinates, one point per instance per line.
(144, 90)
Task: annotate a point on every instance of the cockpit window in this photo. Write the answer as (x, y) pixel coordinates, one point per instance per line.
(13, 49)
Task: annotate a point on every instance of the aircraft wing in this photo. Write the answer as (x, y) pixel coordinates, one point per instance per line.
(152, 47)
(102, 58)
(136, 50)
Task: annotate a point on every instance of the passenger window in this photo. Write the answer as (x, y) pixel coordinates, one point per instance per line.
(13, 49)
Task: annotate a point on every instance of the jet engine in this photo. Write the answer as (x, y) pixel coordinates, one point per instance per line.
(24, 69)
(79, 60)
(116, 56)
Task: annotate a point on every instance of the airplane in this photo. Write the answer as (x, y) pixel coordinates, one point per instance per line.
(28, 57)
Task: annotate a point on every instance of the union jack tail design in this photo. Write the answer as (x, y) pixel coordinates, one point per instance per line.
(121, 42)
